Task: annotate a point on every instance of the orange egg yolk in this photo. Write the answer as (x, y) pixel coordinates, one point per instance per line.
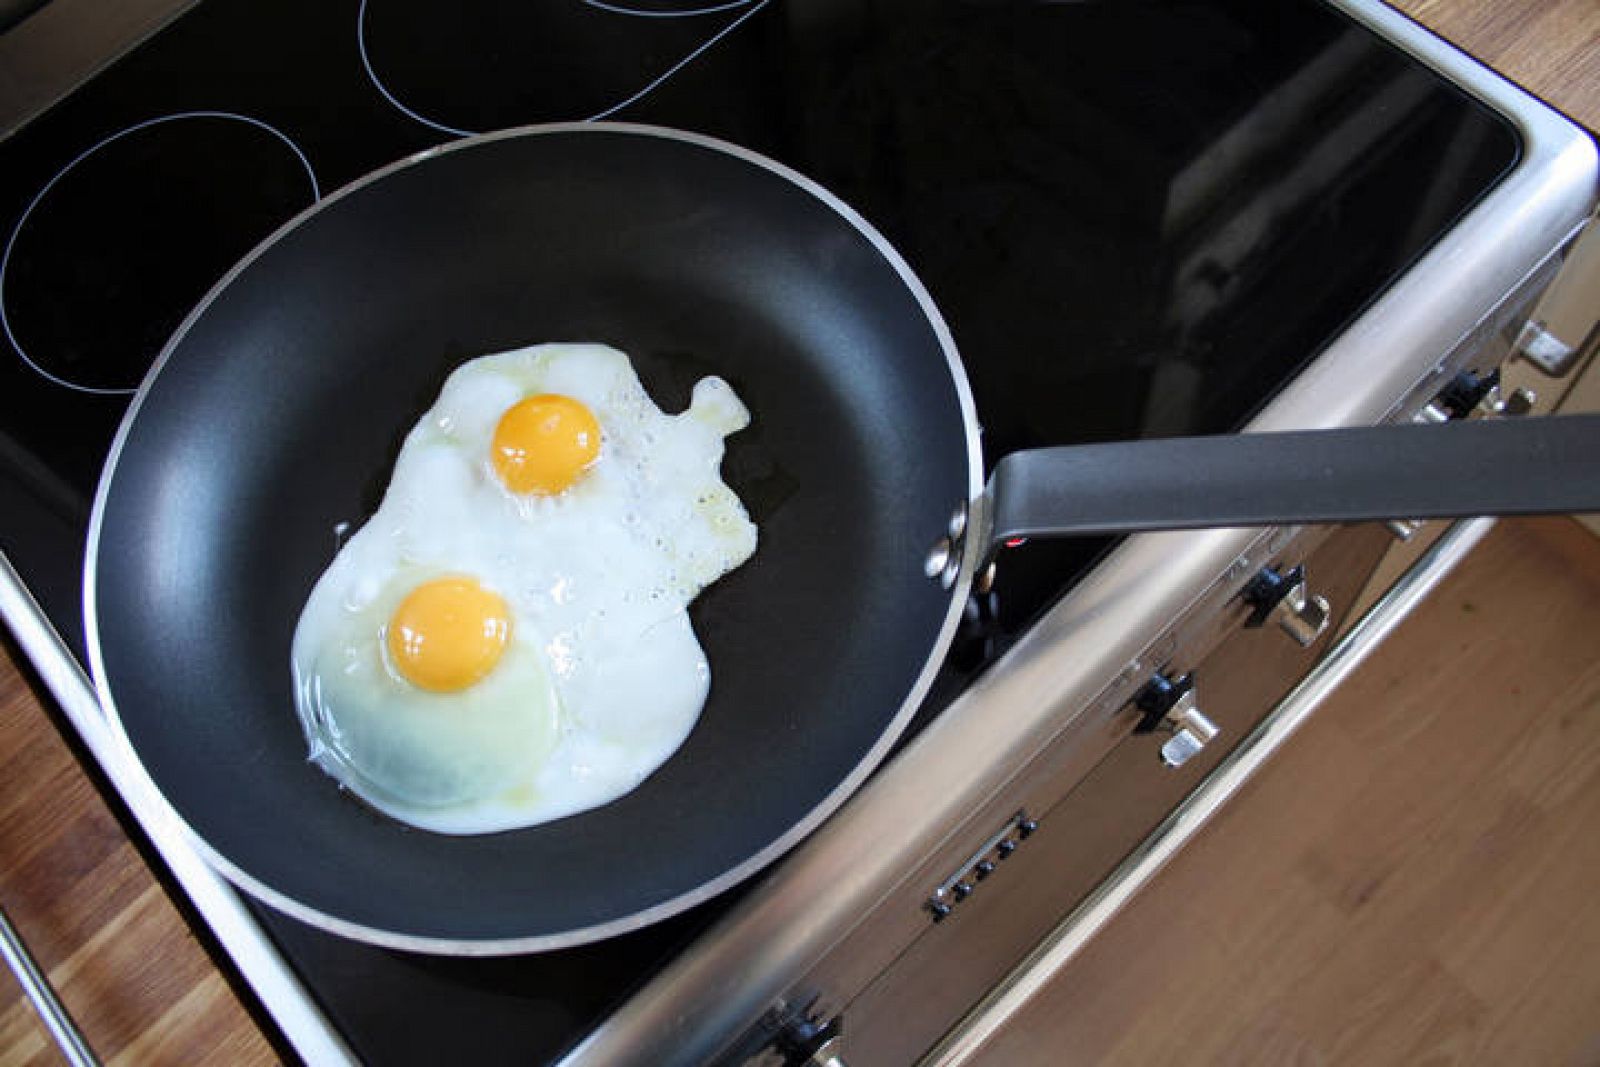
(448, 634)
(543, 443)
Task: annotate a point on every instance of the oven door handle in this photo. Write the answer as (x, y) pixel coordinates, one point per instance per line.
(74, 1049)
(1091, 916)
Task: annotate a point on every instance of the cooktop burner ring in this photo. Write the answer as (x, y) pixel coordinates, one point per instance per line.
(666, 13)
(752, 7)
(38, 365)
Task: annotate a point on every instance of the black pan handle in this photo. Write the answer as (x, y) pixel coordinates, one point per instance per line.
(1523, 466)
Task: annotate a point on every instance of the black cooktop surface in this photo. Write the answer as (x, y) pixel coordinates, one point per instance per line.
(1139, 218)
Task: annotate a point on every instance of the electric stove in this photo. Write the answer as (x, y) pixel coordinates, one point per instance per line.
(1142, 218)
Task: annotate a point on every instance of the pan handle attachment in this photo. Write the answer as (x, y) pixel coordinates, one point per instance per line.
(1544, 465)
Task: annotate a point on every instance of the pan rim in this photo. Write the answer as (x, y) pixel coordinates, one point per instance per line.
(730, 877)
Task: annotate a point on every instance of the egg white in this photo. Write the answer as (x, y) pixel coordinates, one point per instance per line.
(603, 678)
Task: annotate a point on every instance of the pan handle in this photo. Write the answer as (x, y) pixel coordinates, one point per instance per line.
(1548, 464)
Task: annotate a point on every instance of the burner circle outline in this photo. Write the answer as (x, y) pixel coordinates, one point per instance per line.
(22, 220)
(624, 9)
(752, 8)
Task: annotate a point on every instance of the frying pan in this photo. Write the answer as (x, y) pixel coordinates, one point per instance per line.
(274, 414)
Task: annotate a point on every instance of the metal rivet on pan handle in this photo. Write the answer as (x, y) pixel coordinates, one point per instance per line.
(958, 523)
(947, 578)
(944, 558)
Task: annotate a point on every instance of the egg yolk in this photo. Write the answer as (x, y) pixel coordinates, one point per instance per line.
(543, 443)
(448, 634)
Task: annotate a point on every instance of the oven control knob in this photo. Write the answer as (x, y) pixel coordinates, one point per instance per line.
(1514, 404)
(1472, 393)
(1469, 392)
(1169, 704)
(1404, 529)
(1182, 746)
(806, 1044)
(828, 1055)
(1282, 598)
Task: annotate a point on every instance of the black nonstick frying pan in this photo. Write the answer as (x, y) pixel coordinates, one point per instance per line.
(275, 413)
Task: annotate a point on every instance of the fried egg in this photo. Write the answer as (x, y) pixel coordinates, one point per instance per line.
(506, 640)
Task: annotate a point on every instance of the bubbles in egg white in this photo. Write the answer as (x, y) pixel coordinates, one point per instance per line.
(603, 678)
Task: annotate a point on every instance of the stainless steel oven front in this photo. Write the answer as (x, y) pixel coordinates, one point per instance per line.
(993, 846)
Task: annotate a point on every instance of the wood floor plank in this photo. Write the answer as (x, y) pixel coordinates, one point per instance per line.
(24, 1041)
(1546, 897)
(1553, 1021)
(191, 1022)
(1547, 46)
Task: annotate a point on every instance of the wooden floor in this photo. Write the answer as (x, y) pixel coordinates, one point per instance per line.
(101, 926)
(1415, 879)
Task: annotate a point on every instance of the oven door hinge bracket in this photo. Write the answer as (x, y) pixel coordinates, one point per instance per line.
(1562, 329)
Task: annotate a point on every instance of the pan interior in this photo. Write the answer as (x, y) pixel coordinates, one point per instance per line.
(277, 415)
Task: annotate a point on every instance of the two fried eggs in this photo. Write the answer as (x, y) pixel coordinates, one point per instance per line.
(506, 640)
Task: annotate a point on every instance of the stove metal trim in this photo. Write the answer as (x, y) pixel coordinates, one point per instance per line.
(64, 44)
(1075, 931)
(247, 944)
(917, 806)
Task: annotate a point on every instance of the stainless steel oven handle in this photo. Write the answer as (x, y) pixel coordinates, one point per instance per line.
(1075, 931)
(45, 1002)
